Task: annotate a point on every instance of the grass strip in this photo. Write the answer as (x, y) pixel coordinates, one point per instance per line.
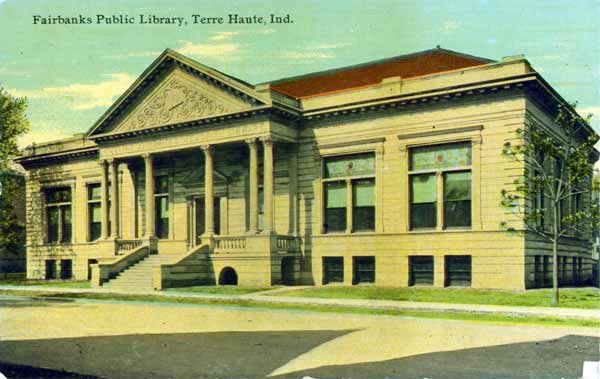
(219, 290)
(581, 298)
(450, 315)
(47, 283)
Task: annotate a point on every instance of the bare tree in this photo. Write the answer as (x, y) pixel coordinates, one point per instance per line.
(553, 197)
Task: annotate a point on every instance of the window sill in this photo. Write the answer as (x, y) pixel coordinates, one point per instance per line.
(449, 230)
(357, 233)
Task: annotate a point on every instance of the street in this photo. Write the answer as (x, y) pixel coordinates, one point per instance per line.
(152, 340)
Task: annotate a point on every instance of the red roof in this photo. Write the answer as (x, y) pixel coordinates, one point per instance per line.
(367, 74)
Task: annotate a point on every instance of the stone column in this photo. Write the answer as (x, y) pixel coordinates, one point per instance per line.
(104, 198)
(150, 224)
(208, 191)
(114, 205)
(253, 190)
(268, 184)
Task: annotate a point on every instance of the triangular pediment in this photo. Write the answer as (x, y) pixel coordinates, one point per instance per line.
(173, 90)
(180, 97)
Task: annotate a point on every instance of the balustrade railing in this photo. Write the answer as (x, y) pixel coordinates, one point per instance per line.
(286, 243)
(230, 243)
(124, 246)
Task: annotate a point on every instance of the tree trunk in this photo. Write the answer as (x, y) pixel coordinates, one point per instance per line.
(555, 272)
(555, 256)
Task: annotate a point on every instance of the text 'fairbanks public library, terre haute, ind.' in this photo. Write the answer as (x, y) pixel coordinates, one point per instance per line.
(152, 19)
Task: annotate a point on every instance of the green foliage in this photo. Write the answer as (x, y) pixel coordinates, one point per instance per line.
(12, 231)
(559, 167)
(554, 196)
(13, 124)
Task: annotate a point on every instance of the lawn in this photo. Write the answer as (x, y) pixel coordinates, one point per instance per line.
(464, 316)
(47, 283)
(588, 298)
(219, 290)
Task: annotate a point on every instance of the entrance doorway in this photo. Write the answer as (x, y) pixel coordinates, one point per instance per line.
(287, 271)
(199, 217)
(228, 277)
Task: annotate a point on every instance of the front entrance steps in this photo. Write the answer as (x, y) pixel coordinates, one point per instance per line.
(138, 277)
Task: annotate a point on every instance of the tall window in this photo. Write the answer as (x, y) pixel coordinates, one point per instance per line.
(161, 206)
(450, 164)
(58, 215)
(94, 211)
(349, 174)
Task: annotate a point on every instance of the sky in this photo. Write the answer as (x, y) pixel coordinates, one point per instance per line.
(71, 74)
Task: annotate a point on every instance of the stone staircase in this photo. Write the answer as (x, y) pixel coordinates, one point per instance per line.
(138, 277)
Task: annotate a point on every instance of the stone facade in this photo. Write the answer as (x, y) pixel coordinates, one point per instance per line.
(236, 183)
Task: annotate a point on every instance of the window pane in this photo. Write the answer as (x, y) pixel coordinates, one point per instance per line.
(354, 165)
(440, 156)
(94, 192)
(423, 188)
(52, 214)
(58, 195)
(423, 201)
(66, 269)
(420, 270)
(458, 270)
(161, 184)
(363, 200)
(162, 216)
(364, 193)
(95, 220)
(333, 270)
(363, 270)
(50, 269)
(457, 199)
(335, 206)
(66, 223)
(335, 195)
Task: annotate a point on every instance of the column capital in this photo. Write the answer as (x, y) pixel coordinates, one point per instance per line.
(267, 140)
(147, 156)
(251, 142)
(207, 148)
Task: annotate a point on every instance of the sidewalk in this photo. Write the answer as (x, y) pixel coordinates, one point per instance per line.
(355, 303)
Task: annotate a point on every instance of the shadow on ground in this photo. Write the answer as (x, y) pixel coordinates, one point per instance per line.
(148, 356)
(558, 358)
(23, 302)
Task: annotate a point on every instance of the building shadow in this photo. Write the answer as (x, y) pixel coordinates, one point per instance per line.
(147, 356)
(27, 302)
(558, 358)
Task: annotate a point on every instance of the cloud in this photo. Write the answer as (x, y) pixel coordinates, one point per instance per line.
(209, 50)
(222, 36)
(81, 96)
(309, 55)
(5, 71)
(314, 52)
(587, 110)
(41, 136)
(450, 26)
(329, 46)
(137, 54)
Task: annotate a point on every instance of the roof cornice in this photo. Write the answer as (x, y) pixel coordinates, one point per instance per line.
(167, 60)
(31, 160)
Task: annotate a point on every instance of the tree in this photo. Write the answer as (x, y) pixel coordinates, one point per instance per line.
(13, 124)
(553, 197)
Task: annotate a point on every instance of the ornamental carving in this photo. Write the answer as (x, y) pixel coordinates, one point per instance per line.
(177, 101)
